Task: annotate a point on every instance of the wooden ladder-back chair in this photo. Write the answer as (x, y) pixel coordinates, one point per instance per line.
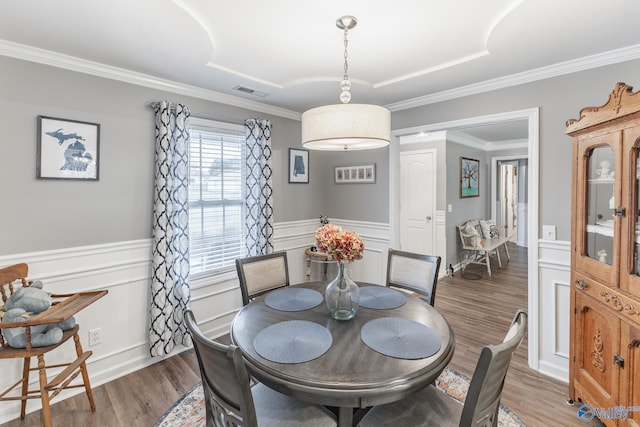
(63, 307)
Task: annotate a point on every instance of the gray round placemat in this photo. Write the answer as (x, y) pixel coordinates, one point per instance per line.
(293, 299)
(293, 341)
(381, 297)
(400, 338)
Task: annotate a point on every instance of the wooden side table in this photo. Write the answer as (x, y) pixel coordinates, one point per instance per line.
(316, 256)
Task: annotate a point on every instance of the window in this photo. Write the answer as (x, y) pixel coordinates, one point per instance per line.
(216, 194)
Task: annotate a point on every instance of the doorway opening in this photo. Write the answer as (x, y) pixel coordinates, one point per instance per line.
(509, 197)
(532, 118)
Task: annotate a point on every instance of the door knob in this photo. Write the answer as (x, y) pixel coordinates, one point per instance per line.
(428, 218)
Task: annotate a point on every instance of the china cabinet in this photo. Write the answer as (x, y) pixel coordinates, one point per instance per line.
(604, 369)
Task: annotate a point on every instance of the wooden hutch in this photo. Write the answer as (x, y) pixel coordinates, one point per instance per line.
(604, 367)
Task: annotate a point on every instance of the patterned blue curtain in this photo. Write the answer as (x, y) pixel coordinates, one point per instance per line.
(170, 293)
(259, 188)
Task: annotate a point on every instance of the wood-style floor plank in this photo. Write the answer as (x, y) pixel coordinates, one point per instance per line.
(479, 311)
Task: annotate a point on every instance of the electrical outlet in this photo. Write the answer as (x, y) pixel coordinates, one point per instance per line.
(95, 336)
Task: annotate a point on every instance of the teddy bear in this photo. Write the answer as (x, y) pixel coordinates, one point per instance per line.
(24, 303)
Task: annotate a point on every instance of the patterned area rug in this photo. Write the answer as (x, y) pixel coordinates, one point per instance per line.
(189, 410)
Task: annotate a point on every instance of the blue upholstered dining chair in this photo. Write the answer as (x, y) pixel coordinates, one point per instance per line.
(414, 272)
(431, 407)
(261, 274)
(232, 401)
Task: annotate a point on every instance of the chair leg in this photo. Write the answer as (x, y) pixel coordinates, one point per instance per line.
(488, 259)
(85, 374)
(44, 394)
(506, 249)
(498, 256)
(26, 364)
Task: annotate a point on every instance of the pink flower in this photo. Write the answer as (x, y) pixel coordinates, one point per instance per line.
(339, 245)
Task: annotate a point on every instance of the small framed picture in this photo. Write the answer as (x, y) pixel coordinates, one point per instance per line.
(365, 174)
(67, 149)
(298, 166)
(469, 177)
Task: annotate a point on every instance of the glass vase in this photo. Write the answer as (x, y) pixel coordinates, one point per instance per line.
(342, 295)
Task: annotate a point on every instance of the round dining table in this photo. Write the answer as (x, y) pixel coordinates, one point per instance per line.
(349, 376)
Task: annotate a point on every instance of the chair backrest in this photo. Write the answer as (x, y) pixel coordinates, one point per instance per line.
(262, 273)
(483, 398)
(225, 380)
(470, 234)
(414, 272)
(9, 275)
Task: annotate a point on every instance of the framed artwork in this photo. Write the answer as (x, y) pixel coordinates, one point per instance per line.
(67, 149)
(365, 174)
(298, 166)
(469, 177)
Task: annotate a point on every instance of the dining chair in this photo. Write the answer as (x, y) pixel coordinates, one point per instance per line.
(414, 272)
(13, 278)
(431, 407)
(262, 273)
(230, 399)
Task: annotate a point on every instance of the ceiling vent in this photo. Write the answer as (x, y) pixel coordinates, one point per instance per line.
(250, 91)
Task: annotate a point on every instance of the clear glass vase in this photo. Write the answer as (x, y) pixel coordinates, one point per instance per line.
(342, 295)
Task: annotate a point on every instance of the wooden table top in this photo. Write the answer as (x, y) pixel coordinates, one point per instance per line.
(349, 374)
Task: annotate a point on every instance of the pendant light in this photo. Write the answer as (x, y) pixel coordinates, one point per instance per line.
(345, 126)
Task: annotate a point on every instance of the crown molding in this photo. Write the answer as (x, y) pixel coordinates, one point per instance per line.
(465, 139)
(581, 64)
(46, 57)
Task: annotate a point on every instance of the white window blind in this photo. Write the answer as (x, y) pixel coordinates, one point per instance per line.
(216, 195)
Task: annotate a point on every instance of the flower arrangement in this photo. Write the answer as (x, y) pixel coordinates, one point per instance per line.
(339, 245)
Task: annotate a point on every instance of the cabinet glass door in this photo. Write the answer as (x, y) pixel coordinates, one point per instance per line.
(600, 204)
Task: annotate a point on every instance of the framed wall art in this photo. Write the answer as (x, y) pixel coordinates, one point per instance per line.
(67, 149)
(365, 174)
(469, 177)
(298, 166)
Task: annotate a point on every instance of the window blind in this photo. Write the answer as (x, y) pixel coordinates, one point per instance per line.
(216, 197)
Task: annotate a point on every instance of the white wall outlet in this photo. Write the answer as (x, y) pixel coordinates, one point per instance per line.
(549, 232)
(95, 336)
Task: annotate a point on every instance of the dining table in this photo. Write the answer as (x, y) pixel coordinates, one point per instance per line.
(396, 345)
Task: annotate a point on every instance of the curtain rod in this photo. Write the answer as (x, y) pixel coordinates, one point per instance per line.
(207, 116)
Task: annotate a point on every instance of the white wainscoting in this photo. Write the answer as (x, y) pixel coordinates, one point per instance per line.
(554, 273)
(124, 269)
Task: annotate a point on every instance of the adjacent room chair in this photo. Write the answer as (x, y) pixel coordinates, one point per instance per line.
(414, 272)
(11, 279)
(261, 274)
(431, 407)
(230, 399)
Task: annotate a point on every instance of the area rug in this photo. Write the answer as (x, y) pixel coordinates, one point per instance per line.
(189, 410)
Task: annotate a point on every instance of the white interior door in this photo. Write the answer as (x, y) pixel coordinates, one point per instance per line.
(417, 201)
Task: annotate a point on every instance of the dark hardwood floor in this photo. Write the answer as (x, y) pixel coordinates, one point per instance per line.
(479, 311)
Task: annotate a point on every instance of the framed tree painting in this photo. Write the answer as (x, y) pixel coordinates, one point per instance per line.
(469, 177)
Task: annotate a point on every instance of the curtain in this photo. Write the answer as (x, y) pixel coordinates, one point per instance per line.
(170, 293)
(259, 188)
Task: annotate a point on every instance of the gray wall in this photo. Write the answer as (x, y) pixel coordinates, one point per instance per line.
(467, 208)
(40, 215)
(559, 99)
(362, 202)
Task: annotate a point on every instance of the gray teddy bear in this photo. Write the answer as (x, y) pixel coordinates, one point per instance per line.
(24, 303)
